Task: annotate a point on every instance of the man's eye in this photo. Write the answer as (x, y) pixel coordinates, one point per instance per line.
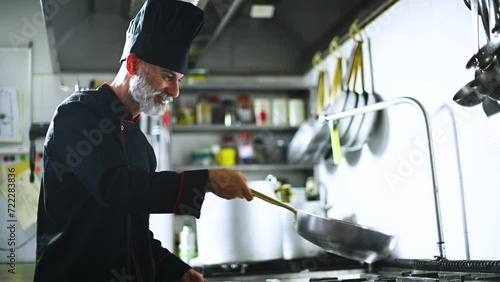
(167, 76)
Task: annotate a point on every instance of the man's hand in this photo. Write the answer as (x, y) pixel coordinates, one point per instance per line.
(192, 276)
(228, 184)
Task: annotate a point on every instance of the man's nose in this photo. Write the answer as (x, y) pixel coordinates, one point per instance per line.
(172, 88)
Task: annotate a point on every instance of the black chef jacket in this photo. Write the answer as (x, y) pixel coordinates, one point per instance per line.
(99, 186)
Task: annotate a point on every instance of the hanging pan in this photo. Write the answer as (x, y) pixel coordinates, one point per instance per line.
(352, 241)
(336, 88)
(369, 119)
(312, 134)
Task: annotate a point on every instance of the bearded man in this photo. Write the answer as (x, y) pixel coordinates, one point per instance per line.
(99, 181)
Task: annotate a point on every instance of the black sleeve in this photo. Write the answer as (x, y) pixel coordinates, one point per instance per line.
(168, 265)
(88, 146)
(158, 192)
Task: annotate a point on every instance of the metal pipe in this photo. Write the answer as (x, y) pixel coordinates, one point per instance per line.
(460, 177)
(386, 104)
(235, 6)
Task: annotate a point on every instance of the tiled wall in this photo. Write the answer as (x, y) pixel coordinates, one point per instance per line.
(48, 93)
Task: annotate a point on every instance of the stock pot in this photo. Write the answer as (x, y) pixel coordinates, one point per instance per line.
(239, 231)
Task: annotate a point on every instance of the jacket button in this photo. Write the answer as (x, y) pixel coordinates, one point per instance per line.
(122, 127)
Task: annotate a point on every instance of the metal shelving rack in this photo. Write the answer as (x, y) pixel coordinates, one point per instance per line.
(251, 86)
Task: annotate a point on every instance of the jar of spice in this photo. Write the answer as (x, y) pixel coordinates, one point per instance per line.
(245, 148)
(229, 112)
(244, 110)
(217, 110)
(203, 111)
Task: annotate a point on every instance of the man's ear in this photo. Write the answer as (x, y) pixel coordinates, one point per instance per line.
(132, 64)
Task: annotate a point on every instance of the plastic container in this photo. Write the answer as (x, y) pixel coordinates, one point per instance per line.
(245, 148)
(245, 110)
(296, 113)
(202, 156)
(280, 112)
(187, 244)
(227, 154)
(262, 110)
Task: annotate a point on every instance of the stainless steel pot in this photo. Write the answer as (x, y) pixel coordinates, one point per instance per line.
(353, 241)
(237, 230)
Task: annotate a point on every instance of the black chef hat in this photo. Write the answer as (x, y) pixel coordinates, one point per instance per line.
(162, 32)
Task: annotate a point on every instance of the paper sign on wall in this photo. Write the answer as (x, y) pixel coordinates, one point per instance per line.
(25, 194)
(10, 124)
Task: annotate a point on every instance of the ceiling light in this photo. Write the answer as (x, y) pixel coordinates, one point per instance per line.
(262, 11)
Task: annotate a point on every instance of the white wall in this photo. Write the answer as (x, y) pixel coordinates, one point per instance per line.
(420, 49)
(22, 23)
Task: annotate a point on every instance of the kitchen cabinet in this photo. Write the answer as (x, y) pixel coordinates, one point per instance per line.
(272, 139)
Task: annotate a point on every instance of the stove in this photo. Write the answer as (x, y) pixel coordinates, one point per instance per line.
(333, 268)
(350, 276)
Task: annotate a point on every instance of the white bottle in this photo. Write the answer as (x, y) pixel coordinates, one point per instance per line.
(187, 244)
(296, 113)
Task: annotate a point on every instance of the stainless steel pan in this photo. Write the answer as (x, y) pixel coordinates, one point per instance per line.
(353, 241)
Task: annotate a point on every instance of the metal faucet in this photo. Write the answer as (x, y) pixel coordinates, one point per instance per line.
(330, 118)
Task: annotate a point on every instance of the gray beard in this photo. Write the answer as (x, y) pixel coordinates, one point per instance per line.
(144, 95)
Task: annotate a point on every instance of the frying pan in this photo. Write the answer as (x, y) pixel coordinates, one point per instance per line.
(369, 119)
(311, 135)
(350, 240)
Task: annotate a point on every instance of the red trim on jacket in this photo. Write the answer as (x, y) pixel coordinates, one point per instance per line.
(135, 265)
(164, 256)
(174, 209)
(121, 127)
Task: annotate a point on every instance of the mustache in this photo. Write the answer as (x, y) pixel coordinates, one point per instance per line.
(155, 92)
(165, 96)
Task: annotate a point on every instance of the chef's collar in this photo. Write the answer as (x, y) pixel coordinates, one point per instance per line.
(116, 106)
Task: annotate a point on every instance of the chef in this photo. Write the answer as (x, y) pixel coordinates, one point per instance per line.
(99, 183)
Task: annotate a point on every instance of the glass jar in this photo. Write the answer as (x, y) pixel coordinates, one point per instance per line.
(203, 111)
(185, 116)
(217, 110)
(229, 112)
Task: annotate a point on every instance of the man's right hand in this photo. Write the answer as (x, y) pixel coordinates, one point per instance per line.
(192, 276)
(228, 184)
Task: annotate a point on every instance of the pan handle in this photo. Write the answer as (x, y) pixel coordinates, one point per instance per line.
(273, 201)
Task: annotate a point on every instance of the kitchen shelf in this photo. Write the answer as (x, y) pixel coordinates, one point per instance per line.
(245, 87)
(250, 167)
(223, 128)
